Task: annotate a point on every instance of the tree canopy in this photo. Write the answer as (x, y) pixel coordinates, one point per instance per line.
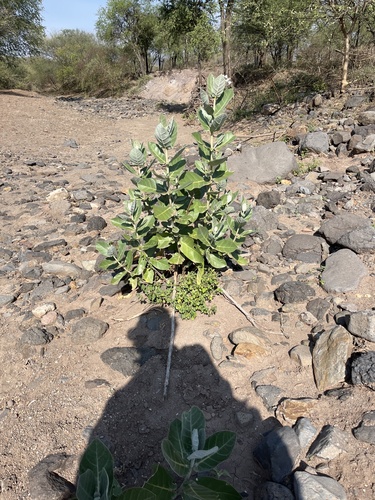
(21, 30)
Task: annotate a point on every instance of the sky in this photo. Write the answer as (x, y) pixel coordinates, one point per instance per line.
(70, 14)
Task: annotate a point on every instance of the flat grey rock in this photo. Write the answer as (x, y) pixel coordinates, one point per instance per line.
(278, 452)
(293, 292)
(270, 395)
(366, 430)
(59, 268)
(6, 299)
(360, 240)
(88, 330)
(310, 487)
(329, 444)
(330, 355)
(333, 229)
(343, 272)
(45, 484)
(36, 336)
(262, 220)
(366, 118)
(363, 370)
(127, 360)
(305, 431)
(318, 307)
(273, 491)
(269, 199)
(362, 324)
(262, 164)
(303, 247)
(317, 142)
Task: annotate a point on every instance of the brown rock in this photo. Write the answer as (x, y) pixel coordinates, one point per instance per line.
(249, 351)
(292, 409)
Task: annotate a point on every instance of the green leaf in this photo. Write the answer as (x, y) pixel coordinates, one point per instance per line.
(225, 441)
(215, 261)
(207, 486)
(97, 458)
(223, 140)
(163, 212)
(137, 494)
(217, 123)
(137, 157)
(147, 185)
(218, 86)
(161, 484)
(147, 223)
(191, 180)
(104, 248)
(204, 119)
(190, 420)
(122, 223)
(118, 277)
(226, 246)
(177, 259)
(161, 264)
(148, 275)
(173, 456)
(151, 243)
(201, 233)
(189, 249)
(86, 485)
(129, 260)
(157, 152)
(210, 85)
(164, 241)
(204, 96)
(108, 264)
(223, 100)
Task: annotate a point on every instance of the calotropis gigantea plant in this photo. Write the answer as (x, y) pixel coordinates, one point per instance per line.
(191, 456)
(178, 218)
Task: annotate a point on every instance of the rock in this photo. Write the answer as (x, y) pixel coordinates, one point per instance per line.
(59, 268)
(45, 245)
(365, 146)
(96, 223)
(363, 369)
(291, 409)
(244, 418)
(111, 290)
(217, 347)
(293, 292)
(270, 395)
(304, 247)
(343, 272)
(57, 195)
(71, 143)
(340, 136)
(262, 164)
(97, 382)
(249, 334)
(305, 431)
(278, 452)
(301, 354)
(311, 487)
(366, 430)
(36, 336)
(74, 314)
(249, 350)
(127, 360)
(330, 355)
(273, 491)
(362, 324)
(354, 101)
(333, 229)
(262, 220)
(88, 330)
(6, 299)
(360, 240)
(366, 118)
(45, 484)
(318, 307)
(269, 199)
(43, 309)
(329, 444)
(317, 142)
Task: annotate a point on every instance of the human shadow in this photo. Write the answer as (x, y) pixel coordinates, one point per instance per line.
(137, 417)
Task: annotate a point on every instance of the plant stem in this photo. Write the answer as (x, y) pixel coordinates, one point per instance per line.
(171, 340)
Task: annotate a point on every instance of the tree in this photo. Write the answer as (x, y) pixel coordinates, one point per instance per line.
(130, 24)
(226, 11)
(278, 26)
(21, 31)
(347, 14)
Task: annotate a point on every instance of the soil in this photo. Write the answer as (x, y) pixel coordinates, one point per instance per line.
(48, 402)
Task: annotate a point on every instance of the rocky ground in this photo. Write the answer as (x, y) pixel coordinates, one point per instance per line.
(79, 358)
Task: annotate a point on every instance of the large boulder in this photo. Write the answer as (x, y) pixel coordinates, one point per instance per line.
(263, 164)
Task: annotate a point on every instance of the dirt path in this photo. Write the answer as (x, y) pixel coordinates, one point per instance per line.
(54, 397)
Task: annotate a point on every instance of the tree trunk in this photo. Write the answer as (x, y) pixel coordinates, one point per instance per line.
(346, 55)
(225, 32)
